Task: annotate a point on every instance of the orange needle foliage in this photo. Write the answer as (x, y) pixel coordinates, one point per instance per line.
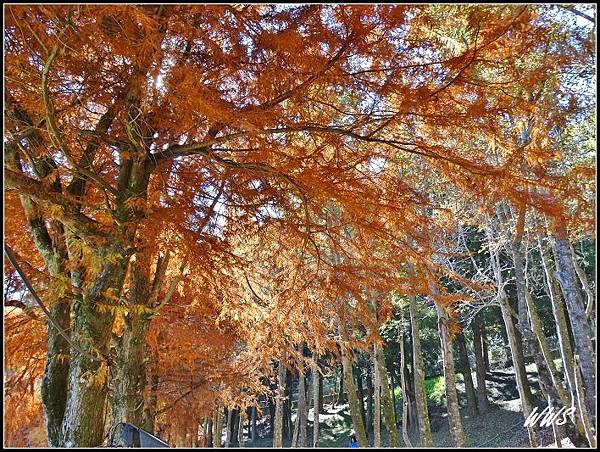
(228, 136)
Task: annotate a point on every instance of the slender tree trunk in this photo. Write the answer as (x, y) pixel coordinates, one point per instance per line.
(589, 310)
(361, 394)
(357, 421)
(240, 432)
(449, 376)
(465, 369)
(217, 429)
(548, 376)
(209, 433)
(508, 362)
(321, 407)
(584, 349)
(305, 387)
(520, 375)
(289, 405)
(300, 428)
(585, 417)
(370, 393)
(315, 388)
(482, 400)
(229, 427)
(532, 329)
(388, 409)
(486, 351)
(393, 392)
(405, 434)
(271, 415)
(518, 347)
(377, 389)
(341, 399)
(419, 379)
(278, 433)
(253, 436)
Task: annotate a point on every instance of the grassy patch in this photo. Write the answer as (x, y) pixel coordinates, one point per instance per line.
(434, 388)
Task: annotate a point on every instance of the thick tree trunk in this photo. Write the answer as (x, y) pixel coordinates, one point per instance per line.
(129, 382)
(149, 416)
(584, 349)
(83, 423)
(454, 420)
(482, 400)
(419, 378)
(49, 239)
(465, 369)
(278, 432)
(56, 373)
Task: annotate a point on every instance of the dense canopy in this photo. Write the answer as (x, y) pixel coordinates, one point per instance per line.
(198, 192)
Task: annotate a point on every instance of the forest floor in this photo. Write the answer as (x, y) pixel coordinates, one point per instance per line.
(500, 426)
